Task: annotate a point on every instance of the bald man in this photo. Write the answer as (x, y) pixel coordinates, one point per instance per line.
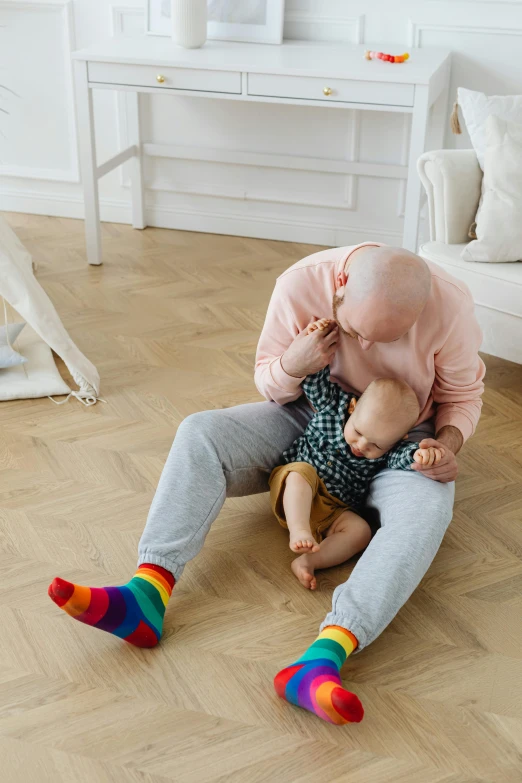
(394, 316)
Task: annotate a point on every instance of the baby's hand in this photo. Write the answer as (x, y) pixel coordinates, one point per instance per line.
(321, 324)
(428, 457)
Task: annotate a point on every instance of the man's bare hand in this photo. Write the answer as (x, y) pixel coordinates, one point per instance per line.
(445, 469)
(311, 350)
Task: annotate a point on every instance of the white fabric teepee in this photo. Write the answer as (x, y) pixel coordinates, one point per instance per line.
(20, 288)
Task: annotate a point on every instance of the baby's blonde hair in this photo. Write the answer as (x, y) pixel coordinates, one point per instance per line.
(397, 398)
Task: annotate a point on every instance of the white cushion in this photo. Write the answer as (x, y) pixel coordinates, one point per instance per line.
(476, 108)
(499, 216)
(26, 296)
(8, 356)
(38, 377)
(498, 286)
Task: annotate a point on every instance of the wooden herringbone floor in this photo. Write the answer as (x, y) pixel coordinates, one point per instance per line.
(171, 320)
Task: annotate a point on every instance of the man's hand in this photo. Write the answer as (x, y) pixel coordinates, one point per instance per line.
(445, 469)
(309, 353)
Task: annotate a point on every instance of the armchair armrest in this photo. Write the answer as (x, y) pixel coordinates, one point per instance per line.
(452, 179)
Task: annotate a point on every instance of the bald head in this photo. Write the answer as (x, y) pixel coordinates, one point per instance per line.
(385, 292)
(392, 275)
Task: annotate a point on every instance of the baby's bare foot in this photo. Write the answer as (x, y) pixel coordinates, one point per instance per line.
(304, 572)
(303, 541)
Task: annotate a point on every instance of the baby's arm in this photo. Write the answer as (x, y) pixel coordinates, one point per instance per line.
(404, 453)
(401, 456)
(318, 387)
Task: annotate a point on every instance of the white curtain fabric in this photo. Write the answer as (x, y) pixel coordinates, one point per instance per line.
(20, 288)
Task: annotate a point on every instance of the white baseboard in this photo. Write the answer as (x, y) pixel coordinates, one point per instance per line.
(266, 228)
(59, 205)
(213, 222)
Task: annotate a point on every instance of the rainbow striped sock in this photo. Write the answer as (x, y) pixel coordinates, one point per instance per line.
(313, 681)
(133, 612)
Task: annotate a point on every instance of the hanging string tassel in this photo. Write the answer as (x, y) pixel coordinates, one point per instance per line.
(454, 119)
(87, 401)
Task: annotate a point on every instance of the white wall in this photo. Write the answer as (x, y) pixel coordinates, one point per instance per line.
(38, 160)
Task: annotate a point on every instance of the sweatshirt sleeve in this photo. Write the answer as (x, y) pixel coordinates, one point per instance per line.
(280, 328)
(459, 373)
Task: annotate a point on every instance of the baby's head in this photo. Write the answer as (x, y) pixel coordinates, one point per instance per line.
(383, 415)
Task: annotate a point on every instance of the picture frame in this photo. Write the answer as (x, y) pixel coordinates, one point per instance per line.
(252, 21)
(157, 17)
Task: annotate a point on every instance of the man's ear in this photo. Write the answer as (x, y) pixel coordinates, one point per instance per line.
(340, 281)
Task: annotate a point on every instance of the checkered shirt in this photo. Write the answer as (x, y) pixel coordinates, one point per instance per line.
(323, 446)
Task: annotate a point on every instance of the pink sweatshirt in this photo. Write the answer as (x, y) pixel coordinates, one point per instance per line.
(438, 357)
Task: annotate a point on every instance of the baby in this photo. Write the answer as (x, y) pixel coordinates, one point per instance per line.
(324, 480)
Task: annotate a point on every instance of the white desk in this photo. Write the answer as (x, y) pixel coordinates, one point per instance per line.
(303, 73)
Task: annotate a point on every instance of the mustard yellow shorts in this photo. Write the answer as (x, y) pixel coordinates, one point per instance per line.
(325, 508)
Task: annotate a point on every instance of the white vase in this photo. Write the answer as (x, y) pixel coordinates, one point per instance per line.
(189, 23)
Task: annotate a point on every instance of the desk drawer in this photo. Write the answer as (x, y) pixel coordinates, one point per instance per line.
(341, 90)
(166, 78)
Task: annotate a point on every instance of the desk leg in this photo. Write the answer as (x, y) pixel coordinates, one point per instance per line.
(134, 137)
(88, 165)
(439, 120)
(419, 125)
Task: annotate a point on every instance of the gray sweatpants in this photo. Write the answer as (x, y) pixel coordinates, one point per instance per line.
(231, 452)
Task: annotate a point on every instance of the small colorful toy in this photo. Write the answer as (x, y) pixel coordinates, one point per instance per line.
(391, 58)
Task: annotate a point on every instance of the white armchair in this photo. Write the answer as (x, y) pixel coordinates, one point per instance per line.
(452, 179)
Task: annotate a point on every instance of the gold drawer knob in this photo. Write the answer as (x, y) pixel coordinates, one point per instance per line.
(327, 90)
(160, 78)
